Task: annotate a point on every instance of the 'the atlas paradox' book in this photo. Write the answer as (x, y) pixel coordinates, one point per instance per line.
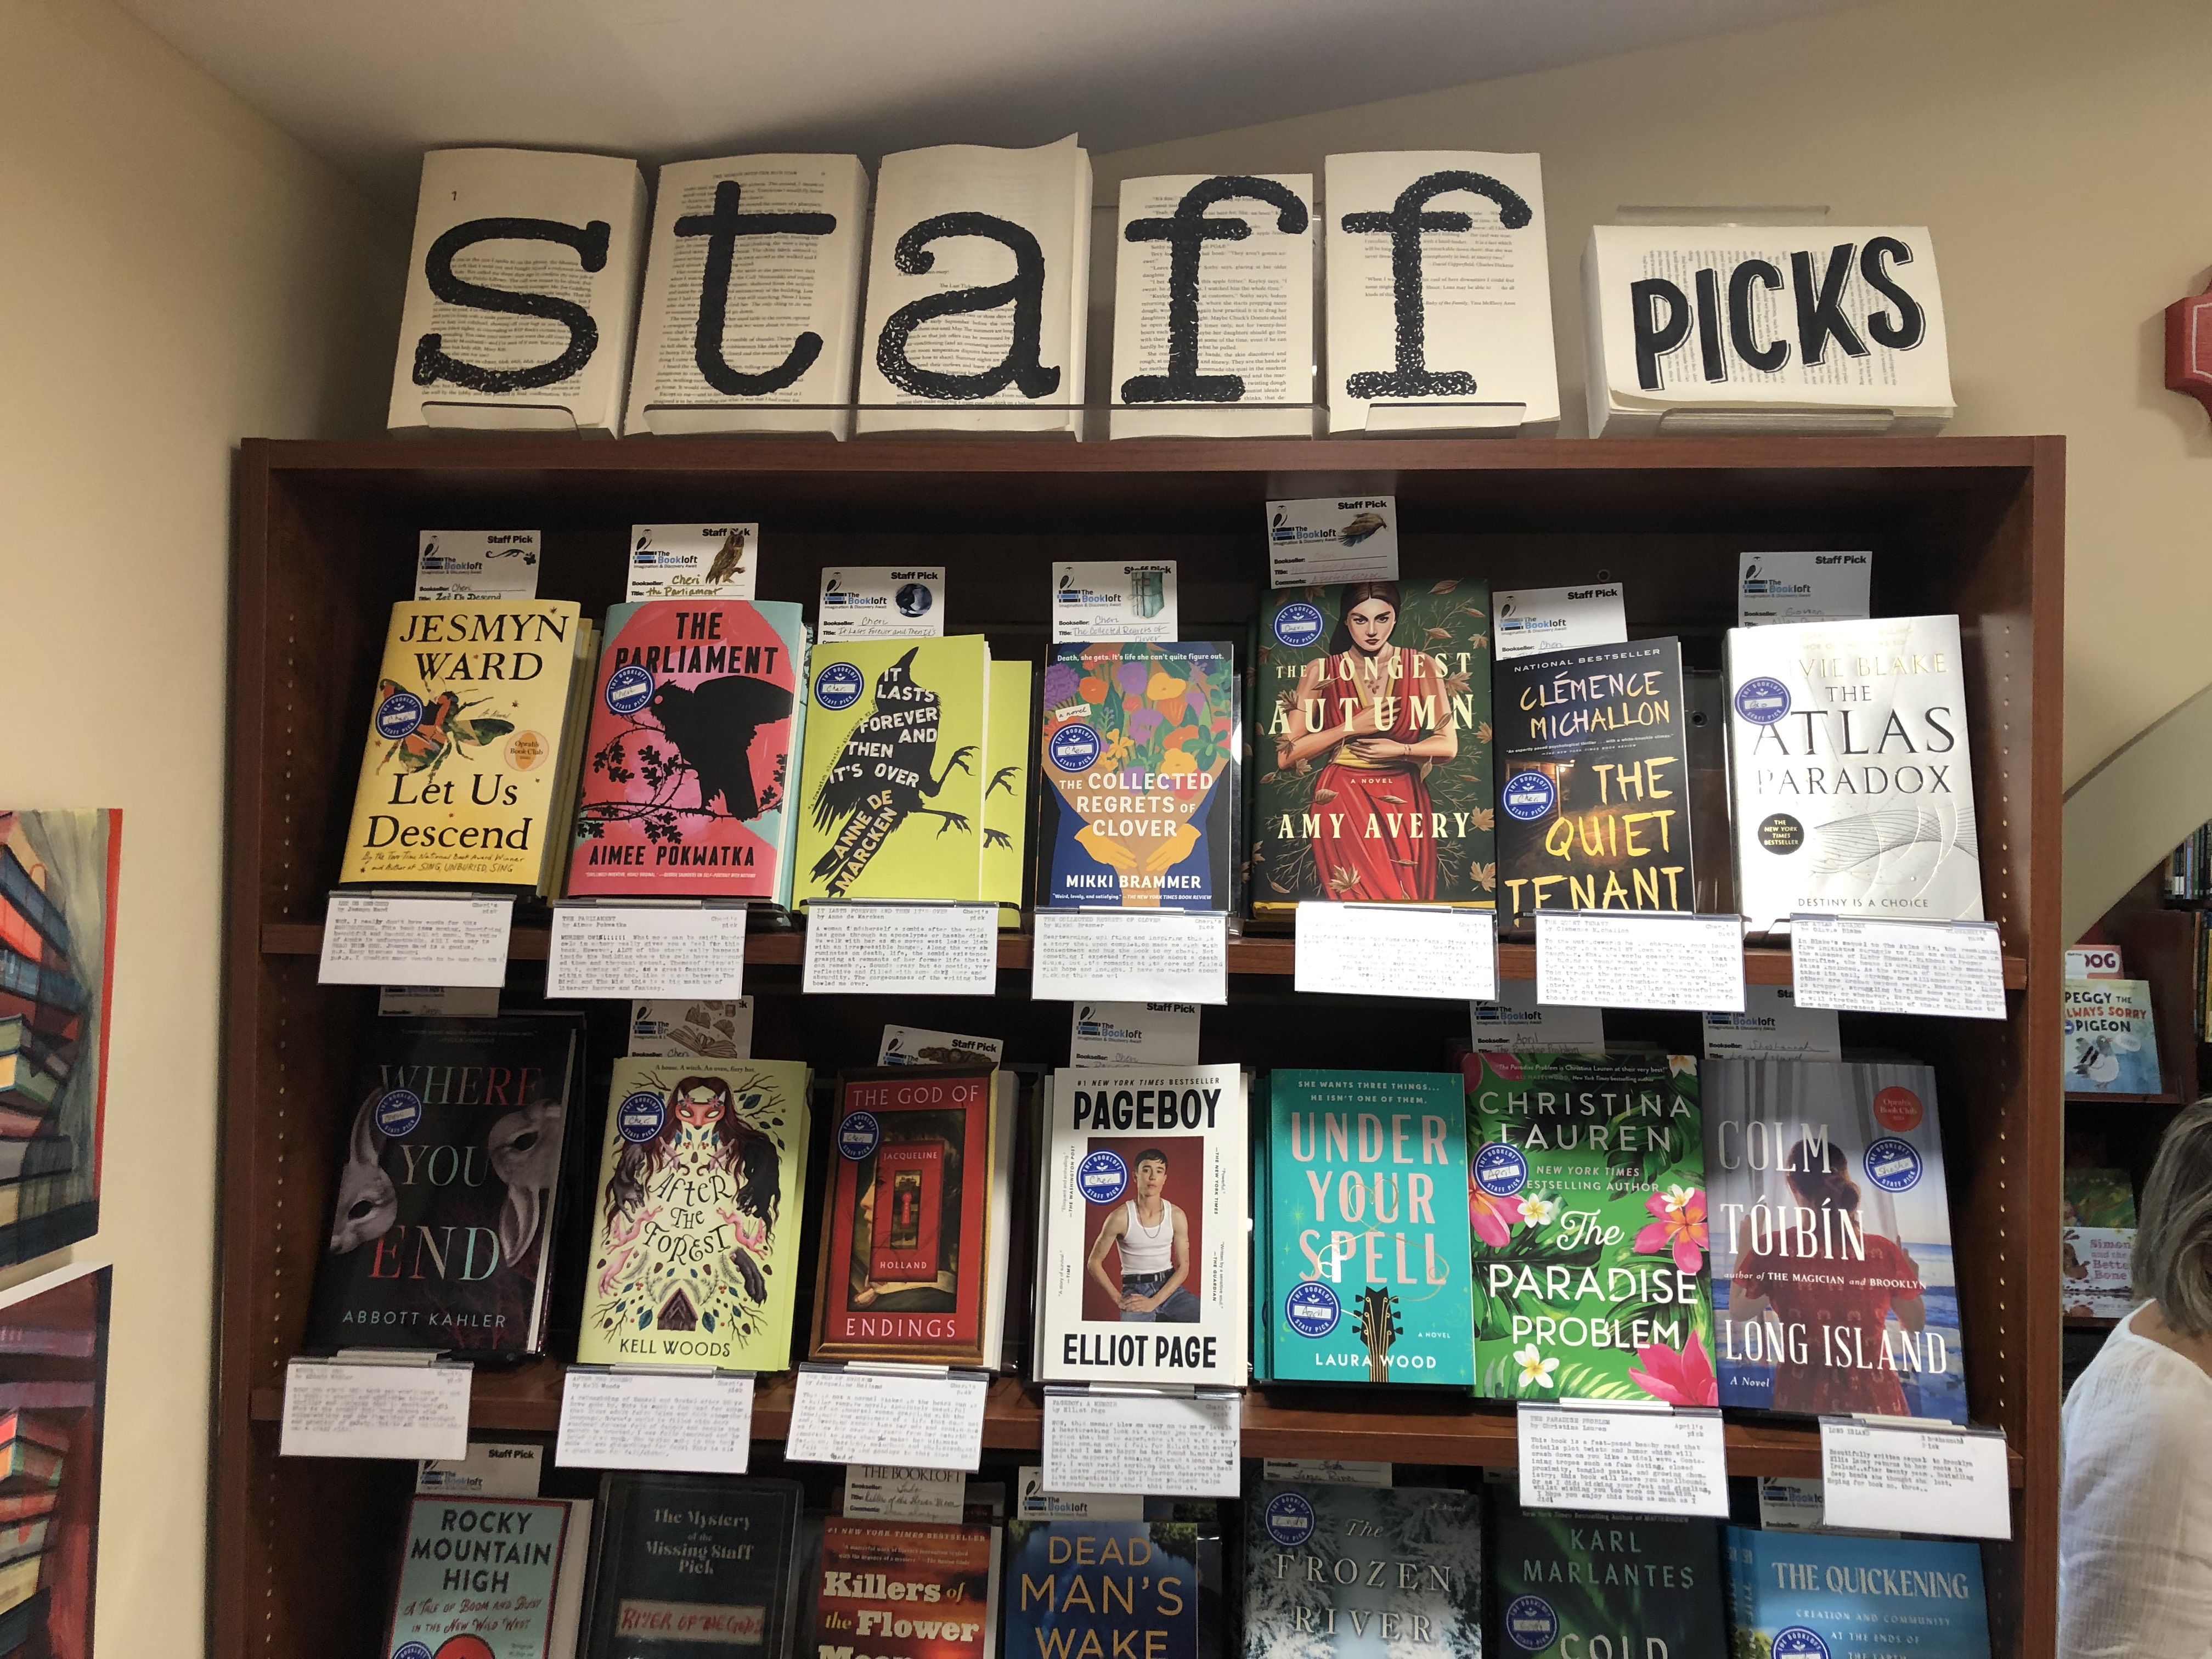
(491, 1579)
(1833, 1283)
(445, 1184)
(1367, 1257)
(695, 1251)
(690, 1566)
(1362, 1572)
(1811, 1593)
(1370, 726)
(1148, 1588)
(1586, 1197)
(1564, 1584)
(1593, 755)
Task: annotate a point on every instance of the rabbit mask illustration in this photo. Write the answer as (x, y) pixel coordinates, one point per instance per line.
(367, 1203)
(525, 1154)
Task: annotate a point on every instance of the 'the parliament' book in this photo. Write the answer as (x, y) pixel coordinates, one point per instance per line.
(1586, 1197)
(1811, 1593)
(1149, 1588)
(1378, 1573)
(692, 1566)
(1567, 1583)
(695, 1227)
(491, 1579)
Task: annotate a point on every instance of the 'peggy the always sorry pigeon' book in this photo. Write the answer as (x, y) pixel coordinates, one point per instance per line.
(695, 722)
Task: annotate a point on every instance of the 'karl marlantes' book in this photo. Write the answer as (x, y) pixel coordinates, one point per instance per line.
(1854, 790)
(1139, 765)
(693, 1566)
(907, 1589)
(446, 1186)
(1811, 1593)
(1362, 1572)
(1142, 1264)
(1587, 1200)
(1368, 1264)
(695, 1224)
(491, 1579)
(1371, 729)
(1150, 1589)
(1564, 1584)
(1593, 755)
(694, 736)
(463, 781)
(1833, 1282)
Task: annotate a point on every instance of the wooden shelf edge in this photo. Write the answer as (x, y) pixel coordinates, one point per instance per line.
(2101, 1099)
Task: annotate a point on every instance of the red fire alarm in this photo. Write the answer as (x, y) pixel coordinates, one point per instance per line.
(2189, 348)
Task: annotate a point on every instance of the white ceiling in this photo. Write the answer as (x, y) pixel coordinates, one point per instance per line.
(372, 84)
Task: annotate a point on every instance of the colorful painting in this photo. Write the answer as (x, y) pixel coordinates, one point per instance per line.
(53, 1386)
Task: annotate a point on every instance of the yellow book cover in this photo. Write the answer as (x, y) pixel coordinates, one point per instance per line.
(695, 1220)
(464, 742)
(891, 790)
(1006, 789)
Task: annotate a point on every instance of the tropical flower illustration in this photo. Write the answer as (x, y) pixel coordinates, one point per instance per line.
(1536, 1370)
(1538, 1212)
(1679, 1378)
(1493, 1218)
(1679, 1226)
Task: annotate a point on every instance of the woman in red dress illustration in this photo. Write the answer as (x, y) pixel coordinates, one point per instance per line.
(1381, 714)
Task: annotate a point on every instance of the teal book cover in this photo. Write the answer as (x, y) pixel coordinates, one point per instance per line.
(1820, 1595)
(1368, 1273)
(1569, 1585)
(1362, 1572)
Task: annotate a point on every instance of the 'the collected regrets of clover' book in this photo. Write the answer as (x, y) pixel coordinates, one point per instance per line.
(440, 1227)
(491, 1578)
(695, 1220)
(1139, 765)
(1366, 1252)
(688, 760)
(1833, 1283)
(1587, 1200)
(1853, 785)
(1370, 728)
(1141, 1271)
(1565, 1584)
(907, 1589)
(695, 1567)
(1362, 1572)
(466, 776)
(1593, 762)
(1811, 1593)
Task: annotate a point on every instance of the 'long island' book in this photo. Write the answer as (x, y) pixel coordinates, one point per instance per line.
(491, 1579)
(1853, 784)
(1833, 1283)
(1804, 1594)
(695, 1567)
(1564, 1584)
(1362, 1572)
(1142, 1588)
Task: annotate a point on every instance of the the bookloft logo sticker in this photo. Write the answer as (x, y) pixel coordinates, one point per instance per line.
(1528, 796)
(1892, 1164)
(858, 1136)
(1762, 701)
(640, 1117)
(1531, 1624)
(411, 1651)
(397, 716)
(1311, 1309)
(1500, 1169)
(1103, 1176)
(1797, 1643)
(1075, 748)
(839, 686)
(1290, 1519)
(630, 688)
(1297, 625)
(399, 1113)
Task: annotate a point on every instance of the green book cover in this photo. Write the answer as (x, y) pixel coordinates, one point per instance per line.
(1570, 1585)
(1587, 1200)
(1367, 1279)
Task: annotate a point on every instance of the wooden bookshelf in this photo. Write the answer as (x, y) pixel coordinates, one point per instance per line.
(303, 1551)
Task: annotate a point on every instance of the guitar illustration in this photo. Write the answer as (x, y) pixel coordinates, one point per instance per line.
(1378, 1329)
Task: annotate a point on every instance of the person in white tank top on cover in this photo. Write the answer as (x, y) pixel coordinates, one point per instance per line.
(1155, 1246)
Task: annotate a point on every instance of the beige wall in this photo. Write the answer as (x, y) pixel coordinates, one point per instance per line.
(178, 274)
(2054, 149)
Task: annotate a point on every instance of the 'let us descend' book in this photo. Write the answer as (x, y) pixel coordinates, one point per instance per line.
(1593, 752)
(440, 1229)
(1138, 1589)
(1587, 1200)
(1140, 762)
(1804, 1594)
(688, 760)
(695, 1253)
(1362, 1572)
(1833, 1283)
(1370, 726)
(1565, 1585)
(1368, 1258)
(693, 1566)
(1144, 1256)
(491, 1579)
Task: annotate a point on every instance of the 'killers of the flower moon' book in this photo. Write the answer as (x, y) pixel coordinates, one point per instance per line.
(1116, 1589)
(2112, 1046)
(694, 735)
(1810, 1593)
(452, 1157)
(491, 1579)
(1854, 788)
(891, 801)
(1595, 781)
(1586, 1197)
(919, 1203)
(1139, 807)
(1832, 1283)
(696, 1221)
(462, 779)
(1371, 725)
(906, 1589)
(1376, 1573)
(1142, 1268)
(1368, 1259)
(1564, 1584)
(691, 1566)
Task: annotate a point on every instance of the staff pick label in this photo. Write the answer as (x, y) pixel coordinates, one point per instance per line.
(399, 1113)
(1892, 1164)
(639, 1117)
(1797, 1643)
(1500, 1169)
(1075, 748)
(1311, 1309)
(1103, 1176)
(630, 688)
(1290, 1519)
(1762, 700)
(839, 685)
(397, 716)
(858, 1136)
(1298, 625)
(1528, 796)
(1530, 1624)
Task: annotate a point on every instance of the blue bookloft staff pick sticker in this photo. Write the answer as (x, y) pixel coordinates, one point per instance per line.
(411, 1651)
(858, 1136)
(1798, 1643)
(1528, 796)
(640, 1117)
(1500, 1169)
(1075, 747)
(1312, 1309)
(839, 686)
(630, 688)
(1762, 701)
(1892, 1164)
(1297, 625)
(1531, 1624)
(399, 1113)
(397, 716)
(1103, 1176)
(1290, 1519)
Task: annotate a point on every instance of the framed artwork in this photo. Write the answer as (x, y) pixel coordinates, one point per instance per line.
(53, 1392)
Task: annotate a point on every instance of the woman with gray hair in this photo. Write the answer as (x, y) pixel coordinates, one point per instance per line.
(2134, 1505)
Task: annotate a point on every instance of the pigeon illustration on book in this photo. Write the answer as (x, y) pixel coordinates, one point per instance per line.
(885, 772)
(713, 726)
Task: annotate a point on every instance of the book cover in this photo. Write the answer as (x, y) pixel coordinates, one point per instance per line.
(1852, 781)
(1142, 1264)
(891, 791)
(1137, 1588)
(695, 1251)
(2097, 1271)
(692, 1566)
(458, 776)
(53, 1388)
(1139, 761)
(910, 1182)
(1834, 1287)
(2095, 1197)
(1807, 1593)
(688, 756)
(1362, 1572)
(1594, 758)
(446, 1183)
(1369, 1251)
(1006, 792)
(1564, 1584)
(936, 1314)
(2111, 1040)
(478, 1576)
(906, 1589)
(1586, 1197)
(1371, 720)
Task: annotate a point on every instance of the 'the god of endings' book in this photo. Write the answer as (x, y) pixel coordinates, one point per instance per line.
(491, 1579)
(1565, 1583)
(692, 1566)
(1362, 1572)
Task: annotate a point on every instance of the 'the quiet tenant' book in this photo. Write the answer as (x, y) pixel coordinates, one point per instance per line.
(690, 1566)
(1362, 1572)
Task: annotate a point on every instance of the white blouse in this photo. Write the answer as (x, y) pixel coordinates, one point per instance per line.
(2134, 1505)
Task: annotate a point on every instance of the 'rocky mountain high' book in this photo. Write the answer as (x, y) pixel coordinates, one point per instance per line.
(1564, 1584)
(1812, 1593)
(694, 1566)
(491, 1578)
(1362, 1572)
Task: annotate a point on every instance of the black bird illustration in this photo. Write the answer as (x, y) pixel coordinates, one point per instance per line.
(713, 725)
(1361, 528)
(732, 555)
(1002, 779)
(883, 774)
